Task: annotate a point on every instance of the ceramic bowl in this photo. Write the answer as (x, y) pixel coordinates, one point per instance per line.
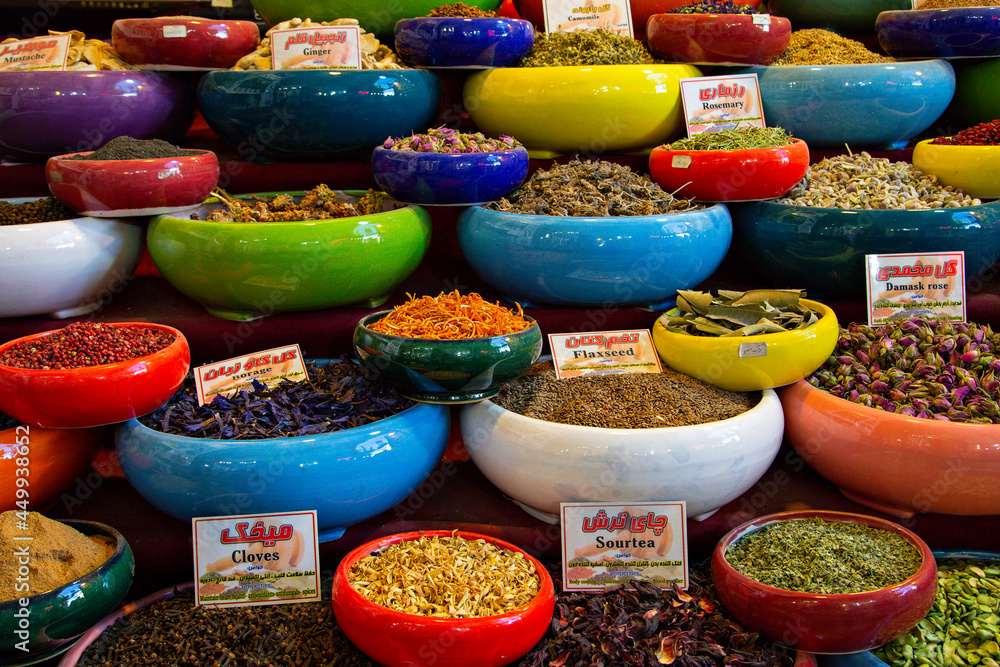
(52, 113)
(58, 617)
(242, 271)
(316, 114)
(583, 261)
(890, 462)
(954, 32)
(346, 476)
(449, 179)
(845, 16)
(718, 39)
(818, 623)
(183, 42)
(396, 639)
(641, 10)
(379, 18)
(66, 268)
(561, 110)
(971, 169)
(451, 41)
(540, 463)
(822, 104)
(119, 188)
(446, 371)
(822, 250)
(750, 363)
(977, 98)
(66, 398)
(55, 459)
(730, 175)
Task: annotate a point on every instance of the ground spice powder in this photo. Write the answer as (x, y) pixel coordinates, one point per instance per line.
(57, 554)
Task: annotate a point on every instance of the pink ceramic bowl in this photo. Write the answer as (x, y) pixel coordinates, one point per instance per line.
(94, 395)
(894, 463)
(816, 623)
(730, 175)
(396, 639)
(183, 42)
(120, 188)
(718, 39)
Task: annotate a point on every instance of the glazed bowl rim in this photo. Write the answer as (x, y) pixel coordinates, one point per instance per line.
(397, 618)
(926, 62)
(121, 547)
(415, 20)
(516, 150)
(703, 17)
(202, 153)
(415, 72)
(174, 347)
(734, 152)
(375, 317)
(732, 341)
(179, 18)
(589, 70)
(930, 142)
(591, 219)
(877, 211)
(927, 560)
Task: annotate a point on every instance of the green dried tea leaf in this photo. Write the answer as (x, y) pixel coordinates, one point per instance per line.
(776, 297)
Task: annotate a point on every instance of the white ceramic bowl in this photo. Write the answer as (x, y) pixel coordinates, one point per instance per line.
(66, 268)
(540, 463)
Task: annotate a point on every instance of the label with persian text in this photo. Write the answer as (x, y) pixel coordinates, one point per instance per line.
(905, 285)
(329, 47)
(582, 15)
(47, 53)
(603, 352)
(268, 367)
(713, 103)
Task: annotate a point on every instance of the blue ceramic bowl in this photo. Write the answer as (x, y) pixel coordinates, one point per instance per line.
(346, 476)
(449, 179)
(316, 114)
(824, 105)
(959, 32)
(842, 16)
(450, 41)
(51, 113)
(823, 250)
(586, 261)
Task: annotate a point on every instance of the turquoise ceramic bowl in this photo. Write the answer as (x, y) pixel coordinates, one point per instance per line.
(242, 271)
(316, 114)
(446, 371)
(55, 619)
(823, 250)
(843, 16)
(590, 261)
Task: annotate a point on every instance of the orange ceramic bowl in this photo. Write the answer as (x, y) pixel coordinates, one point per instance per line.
(94, 395)
(718, 39)
(396, 639)
(894, 463)
(183, 42)
(54, 459)
(119, 188)
(817, 623)
(730, 175)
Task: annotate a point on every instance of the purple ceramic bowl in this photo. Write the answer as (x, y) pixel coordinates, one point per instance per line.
(51, 113)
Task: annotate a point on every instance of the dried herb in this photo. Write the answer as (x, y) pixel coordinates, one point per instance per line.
(46, 209)
(450, 316)
(713, 7)
(320, 203)
(640, 625)
(734, 313)
(733, 139)
(584, 48)
(461, 9)
(827, 557)
(447, 140)
(129, 148)
(593, 188)
(336, 396)
(815, 46)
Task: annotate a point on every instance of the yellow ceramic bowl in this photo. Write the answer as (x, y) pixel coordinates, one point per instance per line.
(971, 169)
(561, 110)
(750, 363)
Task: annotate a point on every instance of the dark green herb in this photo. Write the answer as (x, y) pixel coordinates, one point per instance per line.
(586, 47)
(733, 313)
(733, 139)
(337, 396)
(827, 557)
(127, 148)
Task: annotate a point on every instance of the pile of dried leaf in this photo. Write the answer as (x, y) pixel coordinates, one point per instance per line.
(320, 203)
(733, 313)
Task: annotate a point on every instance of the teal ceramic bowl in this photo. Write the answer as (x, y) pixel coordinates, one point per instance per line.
(446, 371)
(54, 620)
(843, 16)
(242, 271)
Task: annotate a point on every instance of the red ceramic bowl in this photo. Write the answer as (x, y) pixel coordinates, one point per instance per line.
(393, 638)
(817, 623)
(894, 463)
(641, 11)
(718, 39)
(730, 175)
(183, 42)
(94, 395)
(119, 188)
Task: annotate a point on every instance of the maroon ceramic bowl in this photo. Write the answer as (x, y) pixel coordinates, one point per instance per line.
(117, 188)
(718, 39)
(396, 639)
(183, 42)
(816, 623)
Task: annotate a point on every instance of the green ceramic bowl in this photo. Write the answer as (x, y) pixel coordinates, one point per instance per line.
(242, 271)
(447, 371)
(50, 622)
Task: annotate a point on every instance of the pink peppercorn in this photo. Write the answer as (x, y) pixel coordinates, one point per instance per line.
(83, 344)
(984, 134)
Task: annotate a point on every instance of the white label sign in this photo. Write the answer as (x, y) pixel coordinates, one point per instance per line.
(329, 47)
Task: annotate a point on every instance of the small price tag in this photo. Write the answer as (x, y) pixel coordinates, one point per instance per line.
(174, 31)
(761, 19)
(603, 352)
(329, 47)
(269, 367)
(586, 15)
(753, 350)
(680, 161)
